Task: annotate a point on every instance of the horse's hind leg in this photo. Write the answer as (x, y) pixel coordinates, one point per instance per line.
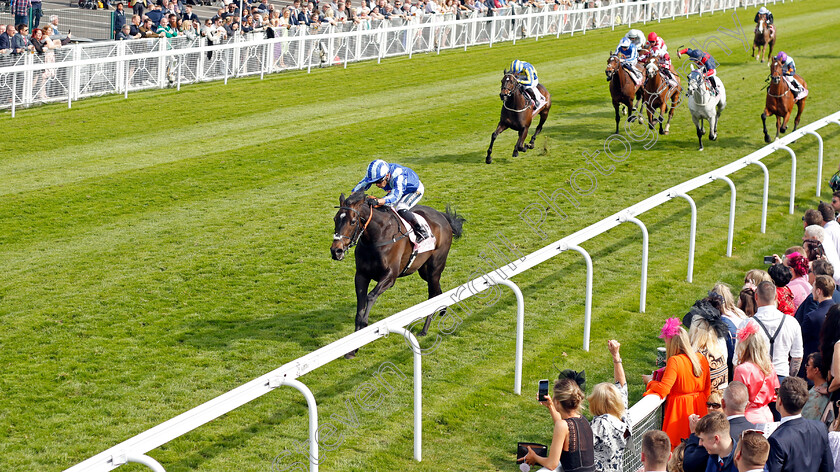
(493, 137)
(764, 116)
(537, 131)
(800, 105)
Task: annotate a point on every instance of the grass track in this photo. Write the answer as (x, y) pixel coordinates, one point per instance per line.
(157, 263)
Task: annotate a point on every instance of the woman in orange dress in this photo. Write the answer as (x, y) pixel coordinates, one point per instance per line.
(685, 384)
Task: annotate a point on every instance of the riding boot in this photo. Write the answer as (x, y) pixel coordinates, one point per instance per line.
(531, 95)
(713, 82)
(419, 230)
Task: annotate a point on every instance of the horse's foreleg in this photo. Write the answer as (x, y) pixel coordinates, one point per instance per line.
(784, 121)
(713, 121)
(520, 143)
(617, 117)
(434, 290)
(493, 137)
(764, 116)
(778, 126)
(362, 310)
(698, 126)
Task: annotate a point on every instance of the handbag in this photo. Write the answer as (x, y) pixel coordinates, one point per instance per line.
(522, 449)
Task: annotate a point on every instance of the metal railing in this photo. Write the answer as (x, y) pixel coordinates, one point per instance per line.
(138, 446)
(71, 73)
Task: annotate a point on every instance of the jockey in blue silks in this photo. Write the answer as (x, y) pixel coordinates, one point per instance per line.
(527, 76)
(404, 190)
(704, 61)
(628, 56)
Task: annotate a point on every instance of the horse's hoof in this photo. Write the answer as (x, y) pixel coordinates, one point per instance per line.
(666, 132)
(350, 355)
(767, 139)
(529, 146)
(713, 138)
(422, 333)
(489, 160)
(783, 130)
(661, 131)
(701, 148)
(515, 154)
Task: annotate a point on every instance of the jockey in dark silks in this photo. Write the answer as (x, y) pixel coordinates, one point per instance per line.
(764, 11)
(704, 61)
(404, 190)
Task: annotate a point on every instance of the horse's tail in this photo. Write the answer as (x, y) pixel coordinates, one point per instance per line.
(455, 221)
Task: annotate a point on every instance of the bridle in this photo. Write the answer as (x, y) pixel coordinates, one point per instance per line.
(776, 79)
(358, 228)
(509, 94)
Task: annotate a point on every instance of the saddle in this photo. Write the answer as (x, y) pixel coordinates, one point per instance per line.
(428, 244)
(637, 76)
(801, 91)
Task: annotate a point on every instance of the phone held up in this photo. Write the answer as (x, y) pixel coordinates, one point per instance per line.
(543, 390)
(769, 259)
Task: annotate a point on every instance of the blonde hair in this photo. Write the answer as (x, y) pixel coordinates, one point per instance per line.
(675, 463)
(729, 306)
(715, 397)
(606, 399)
(757, 276)
(703, 337)
(568, 394)
(680, 344)
(754, 348)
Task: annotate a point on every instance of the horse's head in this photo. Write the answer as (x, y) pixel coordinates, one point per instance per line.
(509, 84)
(762, 22)
(612, 66)
(350, 222)
(652, 67)
(695, 81)
(775, 70)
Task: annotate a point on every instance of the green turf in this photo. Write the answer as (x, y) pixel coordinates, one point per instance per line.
(162, 250)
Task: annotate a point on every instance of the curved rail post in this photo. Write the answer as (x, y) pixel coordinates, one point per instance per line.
(587, 310)
(692, 232)
(313, 416)
(764, 197)
(819, 158)
(792, 174)
(520, 329)
(138, 459)
(643, 293)
(418, 389)
(731, 212)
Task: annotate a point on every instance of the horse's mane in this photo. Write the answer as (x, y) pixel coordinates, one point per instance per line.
(355, 197)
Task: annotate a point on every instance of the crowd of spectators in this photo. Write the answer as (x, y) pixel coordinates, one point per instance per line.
(749, 383)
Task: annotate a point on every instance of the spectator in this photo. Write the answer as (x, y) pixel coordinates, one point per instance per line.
(20, 8)
(710, 335)
(187, 29)
(138, 7)
(148, 29)
(54, 23)
(263, 6)
(610, 425)
(784, 337)
(36, 13)
(835, 202)
(756, 371)
(715, 401)
(675, 463)
(798, 285)
(713, 432)
(746, 300)
(798, 444)
(730, 311)
(50, 31)
(165, 29)
(735, 400)
(829, 337)
(817, 232)
(134, 27)
(189, 15)
(6, 38)
(818, 267)
(685, 382)
(20, 43)
(155, 14)
(832, 228)
(248, 25)
(40, 42)
(812, 321)
(816, 373)
(756, 276)
(119, 19)
(571, 443)
(784, 297)
(752, 451)
(124, 33)
(655, 451)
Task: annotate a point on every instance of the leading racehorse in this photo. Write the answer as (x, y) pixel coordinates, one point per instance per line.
(657, 92)
(517, 112)
(765, 35)
(780, 101)
(622, 88)
(384, 251)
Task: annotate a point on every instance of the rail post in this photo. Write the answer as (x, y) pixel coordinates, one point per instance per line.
(691, 234)
(731, 212)
(520, 328)
(643, 292)
(418, 387)
(792, 174)
(587, 310)
(764, 196)
(313, 415)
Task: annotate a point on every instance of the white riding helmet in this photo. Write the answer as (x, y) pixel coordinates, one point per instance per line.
(763, 10)
(376, 171)
(624, 43)
(634, 34)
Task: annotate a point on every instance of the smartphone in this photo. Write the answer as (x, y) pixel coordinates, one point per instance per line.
(769, 259)
(543, 390)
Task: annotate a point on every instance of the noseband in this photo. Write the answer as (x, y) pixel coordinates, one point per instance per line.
(358, 229)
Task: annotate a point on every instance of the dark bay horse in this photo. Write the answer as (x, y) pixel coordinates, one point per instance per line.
(623, 88)
(517, 113)
(383, 250)
(780, 101)
(765, 36)
(656, 93)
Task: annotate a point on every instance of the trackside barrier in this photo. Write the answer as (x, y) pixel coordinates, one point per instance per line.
(74, 72)
(137, 446)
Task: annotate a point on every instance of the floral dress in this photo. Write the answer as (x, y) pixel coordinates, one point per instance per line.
(611, 435)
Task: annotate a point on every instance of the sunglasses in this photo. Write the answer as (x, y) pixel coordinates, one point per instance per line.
(713, 405)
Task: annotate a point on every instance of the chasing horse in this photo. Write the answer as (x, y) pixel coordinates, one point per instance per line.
(624, 86)
(522, 99)
(765, 34)
(386, 244)
(659, 90)
(785, 90)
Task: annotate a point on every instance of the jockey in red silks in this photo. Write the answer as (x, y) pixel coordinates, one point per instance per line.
(656, 48)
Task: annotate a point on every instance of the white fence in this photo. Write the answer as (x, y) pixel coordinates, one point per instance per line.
(645, 413)
(84, 70)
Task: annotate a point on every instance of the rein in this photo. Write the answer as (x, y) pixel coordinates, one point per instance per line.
(359, 229)
(504, 103)
(781, 79)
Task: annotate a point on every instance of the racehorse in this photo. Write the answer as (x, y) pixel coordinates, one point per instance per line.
(765, 35)
(703, 105)
(622, 88)
(517, 112)
(384, 251)
(780, 101)
(656, 93)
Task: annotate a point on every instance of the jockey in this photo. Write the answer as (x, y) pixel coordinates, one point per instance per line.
(637, 37)
(656, 48)
(404, 190)
(789, 71)
(530, 81)
(704, 61)
(628, 56)
(764, 11)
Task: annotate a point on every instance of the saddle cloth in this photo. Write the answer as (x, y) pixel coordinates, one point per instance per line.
(802, 91)
(637, 76)
(428, 244)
